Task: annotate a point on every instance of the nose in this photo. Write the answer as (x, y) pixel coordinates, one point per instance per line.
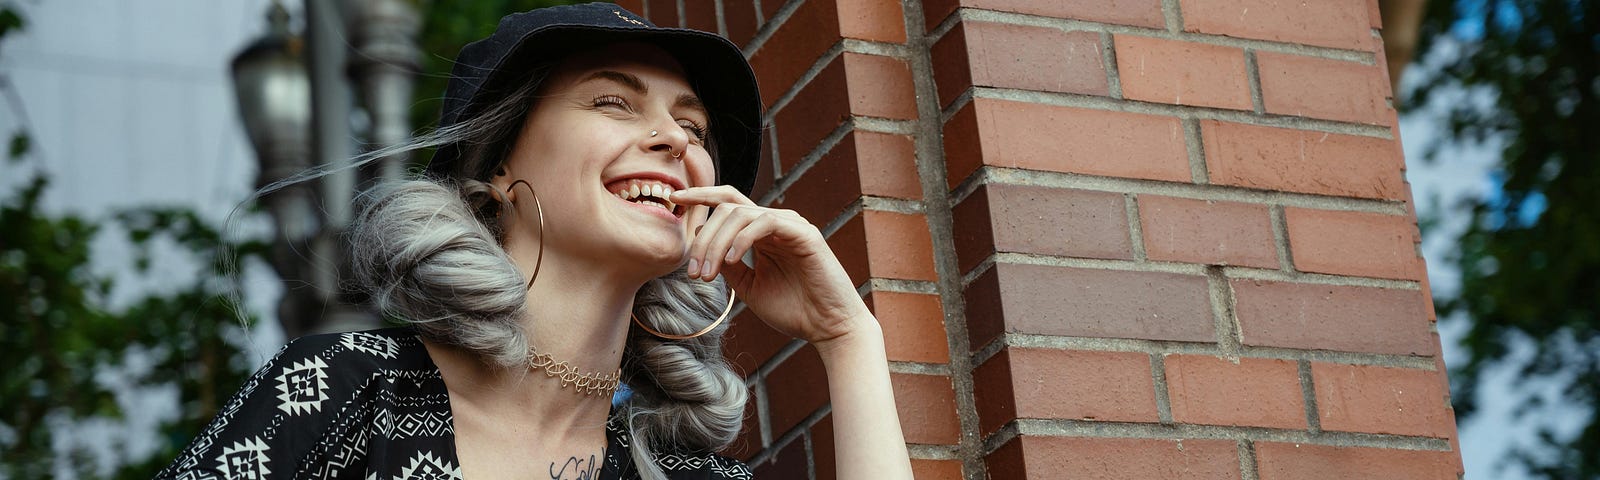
(669, 138)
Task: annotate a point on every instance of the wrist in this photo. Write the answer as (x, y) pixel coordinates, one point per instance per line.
(861, 334)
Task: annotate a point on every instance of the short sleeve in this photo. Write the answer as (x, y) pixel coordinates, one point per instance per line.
(269, 425)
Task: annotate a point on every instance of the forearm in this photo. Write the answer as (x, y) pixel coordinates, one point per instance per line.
(868, 442)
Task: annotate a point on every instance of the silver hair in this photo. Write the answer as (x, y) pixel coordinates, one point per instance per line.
(429, 252)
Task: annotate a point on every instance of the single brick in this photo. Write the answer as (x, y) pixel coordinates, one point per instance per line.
(796, 44)
(824, 462)
(1044, 457)
(987, 54)
(1082, 302)
(1063, 139)
(1141, 13)
(1040, 220)
(1322, 88)
(1330, 317)
(769, 9)
(874, 20)
(879, 244)
(700, 16)
(796, 388)
(1207, 231)
(1254, 392)
(1291, 160)
(900, 245)
(1328, 23)
(814, 113)
(789, 463)
(1074, 385)
(1373, 399)
(913, 324)
(936, 469)
(880, 86)
(749, 342)
(1290, 461)
(888, 165)
(1353, 243)
(663, 12)
(827, 188)
(740, 16)
(927, 408)
(1182, 73)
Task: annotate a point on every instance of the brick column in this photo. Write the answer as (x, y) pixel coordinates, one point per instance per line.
(1130, 239)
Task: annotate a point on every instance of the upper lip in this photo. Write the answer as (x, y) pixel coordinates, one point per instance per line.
(669, 180)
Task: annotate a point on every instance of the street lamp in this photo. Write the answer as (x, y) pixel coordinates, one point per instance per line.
(269, 77)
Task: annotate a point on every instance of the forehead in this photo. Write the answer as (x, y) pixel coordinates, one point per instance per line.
(654, 66)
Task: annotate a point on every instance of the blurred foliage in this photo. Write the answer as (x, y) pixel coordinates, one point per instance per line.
(1530, 260)
(62, 340)
(66, 352)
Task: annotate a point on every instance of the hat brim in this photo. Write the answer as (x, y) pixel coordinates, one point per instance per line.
(716, 70)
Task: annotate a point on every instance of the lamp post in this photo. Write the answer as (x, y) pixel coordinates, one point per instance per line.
(286, 113)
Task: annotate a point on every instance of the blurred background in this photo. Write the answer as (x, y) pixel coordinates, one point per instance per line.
(138, 286)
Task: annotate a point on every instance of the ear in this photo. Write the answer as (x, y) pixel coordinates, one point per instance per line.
(501, 180)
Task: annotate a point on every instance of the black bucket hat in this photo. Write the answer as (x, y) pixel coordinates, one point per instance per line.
(716, 69)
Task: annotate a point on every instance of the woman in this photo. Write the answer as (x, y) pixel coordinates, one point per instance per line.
(580, 226)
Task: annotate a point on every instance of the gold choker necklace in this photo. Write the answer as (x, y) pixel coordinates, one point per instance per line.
(585, 383)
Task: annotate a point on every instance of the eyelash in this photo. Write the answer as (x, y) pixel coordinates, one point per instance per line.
(698, 130)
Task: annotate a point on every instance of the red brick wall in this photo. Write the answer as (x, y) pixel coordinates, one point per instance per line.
(1106, 239)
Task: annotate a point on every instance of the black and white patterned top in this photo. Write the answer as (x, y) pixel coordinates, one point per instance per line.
(366, 405)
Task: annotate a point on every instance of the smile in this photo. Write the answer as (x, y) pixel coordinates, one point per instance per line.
(647, 192)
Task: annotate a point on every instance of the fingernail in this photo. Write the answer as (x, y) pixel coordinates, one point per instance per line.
(694, 267)
(731, 257)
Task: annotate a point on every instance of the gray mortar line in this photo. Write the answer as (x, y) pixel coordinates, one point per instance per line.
(1079, 428)
(1158, 375)
(1108, 61)
(722, 21)
(768, 25)
(919, 368)
(1252, 73)
(1247, 461)
(1226, 324)
(1172, 13)
(1308, 391)
(1247, 273)
(1135, 227)
(1355, 56)
(888, 204)
(885, 125)
(904, 286)
(989, 350)
(956, 104)
(1097, 102)
(944, 27)
(683, 16)
(1194, 145)
(999, 439)
(931, 172)
(1077, 181)
(1280, 239)
(871, 47)
(1170, 347)
(763, 415)
(922, 451)
(798, 432)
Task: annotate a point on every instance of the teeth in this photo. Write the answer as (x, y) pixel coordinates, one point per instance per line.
(637, 189)
(633, 191)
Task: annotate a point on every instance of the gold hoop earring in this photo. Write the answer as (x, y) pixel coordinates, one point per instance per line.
(702, 331)
(539, 209)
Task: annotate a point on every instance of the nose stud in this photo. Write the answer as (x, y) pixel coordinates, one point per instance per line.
(653, 133)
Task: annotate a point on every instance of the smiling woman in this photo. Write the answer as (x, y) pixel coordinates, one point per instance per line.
(582, 226)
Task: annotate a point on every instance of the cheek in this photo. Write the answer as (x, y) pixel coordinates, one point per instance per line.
(702, 173)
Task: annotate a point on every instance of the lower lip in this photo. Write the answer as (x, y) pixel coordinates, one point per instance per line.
(651, 209)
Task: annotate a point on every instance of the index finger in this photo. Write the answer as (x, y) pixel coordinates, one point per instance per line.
(710, 196)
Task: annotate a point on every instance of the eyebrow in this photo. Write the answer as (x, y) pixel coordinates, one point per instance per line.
(687, 100)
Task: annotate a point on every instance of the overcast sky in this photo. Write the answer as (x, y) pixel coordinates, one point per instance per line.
(130, 103)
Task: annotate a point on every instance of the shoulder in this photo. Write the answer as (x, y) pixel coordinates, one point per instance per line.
(381, 349)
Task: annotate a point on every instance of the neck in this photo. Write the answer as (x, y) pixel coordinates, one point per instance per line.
(574, 316)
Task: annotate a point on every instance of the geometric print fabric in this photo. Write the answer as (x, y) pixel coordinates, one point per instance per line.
(365, 405)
